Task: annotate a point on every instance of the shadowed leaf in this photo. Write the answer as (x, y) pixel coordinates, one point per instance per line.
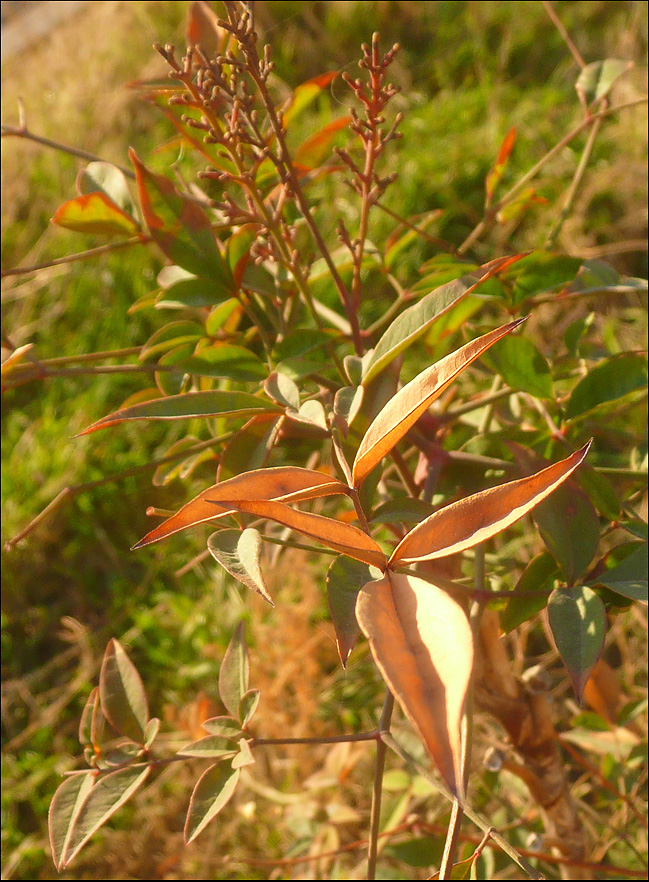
(250, 447)
(521, 366)
(467, 522)
(578, 623)
(415, 321)
(410, 402)
(282, 483)
(234, 673)
(212, 792)
(422, 644)
(629, 577)
(334, 534)
(123, 699)
(240, 554)
(532, 591)
(344, 580)
(187, 405)
(108, 794)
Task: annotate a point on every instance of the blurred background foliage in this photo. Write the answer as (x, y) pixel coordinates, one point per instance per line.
(468, 72)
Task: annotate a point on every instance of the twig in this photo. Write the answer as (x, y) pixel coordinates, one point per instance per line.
(80, 255)
(379, 769)
(564, 33)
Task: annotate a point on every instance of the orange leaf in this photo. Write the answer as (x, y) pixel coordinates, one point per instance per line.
(422, 644)
(404, 409)
(341, 537)
(283, 483)
(467, 522)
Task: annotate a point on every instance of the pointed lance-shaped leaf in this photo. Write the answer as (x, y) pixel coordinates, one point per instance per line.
(122, 694)
(187, 405)
(469, 521)
(338, 535)
(415, 321)
(212, 792)
(108, 794)
(577, 619)
(344, 580)
(284, 483)
(422, 644)
(235, 671)
(240, 554)
(64, 809)
(412, 400)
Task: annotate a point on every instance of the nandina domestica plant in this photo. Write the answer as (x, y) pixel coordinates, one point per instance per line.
(301, 361)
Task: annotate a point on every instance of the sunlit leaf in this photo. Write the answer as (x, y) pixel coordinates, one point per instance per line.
(344, 580)
(210, 747)
(240, 554)
(212, 792)
(338, 535)
(234, 673)
(305, 93)
(410, 402)
(285, 483)
(422, 644)
(95, 213)
(227, 361)
(465, 523)
(283, 390)
(180, 227)
(596, 79)
(521, 366)
(190, 404)
(226, 726)
(122, 694)
(64, 810)
(244, 757)
(106, 178)
(578, 623)
(248, 706)
(108, 794)
(629, 578)
(85, 723)
(415, 321)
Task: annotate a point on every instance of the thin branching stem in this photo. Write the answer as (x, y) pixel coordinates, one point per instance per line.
(377, 789)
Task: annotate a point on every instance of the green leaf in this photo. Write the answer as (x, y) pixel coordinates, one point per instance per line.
(415, 321)
(596, 79)
(107, 178)
(193, 292)
(191, 404)
(226, 726)
(248, 706)
(212, 792)
(344, 580)
(578, 623)
(628, 578)
(95, 213)
(180, 227)
(224, 360)
(402, 508)
(305, 93)
(64, 810)
(171, 335)
(538, 576)
(151, 732)
(109, 793)
(521, 366)
(240, 554)
(234, 673)
(537, 273)
(609, 380)
(423, 851)
(123, 699)
(244, 757)
(211, 746)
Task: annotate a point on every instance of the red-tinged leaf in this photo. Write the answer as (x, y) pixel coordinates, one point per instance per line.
(578, 623)
(210, 747)
(284, 483)
(248, 706)
(519, 205)
(497, 170)
(107, 178)
(203, 29)
(415, 321)
(187, 405)
(411, 401)
(344, 580)
(123, 699)
(334, 534)
(240, 554)
(108, 794)
(95, 213)
(305, 93)
(180, 227)
(422, 644)
(212, 792)
(235, 671)
(469, 521)
(317, 147)
(64, 809)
